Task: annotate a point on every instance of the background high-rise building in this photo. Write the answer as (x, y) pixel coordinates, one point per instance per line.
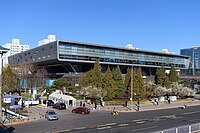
(50, 38)
(15, 47)
(194, 54)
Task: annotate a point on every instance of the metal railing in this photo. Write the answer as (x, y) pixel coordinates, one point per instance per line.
(182, 129)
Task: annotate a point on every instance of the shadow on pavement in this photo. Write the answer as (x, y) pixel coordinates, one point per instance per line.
(4, 129)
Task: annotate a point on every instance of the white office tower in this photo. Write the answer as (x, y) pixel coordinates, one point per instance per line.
(50, 38)
(15, 47)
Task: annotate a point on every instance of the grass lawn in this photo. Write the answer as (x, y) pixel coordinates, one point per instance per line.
(26, 95)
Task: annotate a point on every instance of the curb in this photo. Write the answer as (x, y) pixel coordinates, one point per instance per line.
(127, 111)
(16, 123)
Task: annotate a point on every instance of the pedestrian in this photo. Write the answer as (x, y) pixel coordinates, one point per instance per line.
(126, 103)
(157, 101)
(138, 104)
(81, 103)
(168, 100)
(137, 107)
(101, 103)
(95, 105)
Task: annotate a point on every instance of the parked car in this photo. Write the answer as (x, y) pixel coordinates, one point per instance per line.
(48, 102)
(81, 110)
(59, 106)
(51, 115)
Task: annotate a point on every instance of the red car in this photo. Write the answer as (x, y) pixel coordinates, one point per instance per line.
(81, 110)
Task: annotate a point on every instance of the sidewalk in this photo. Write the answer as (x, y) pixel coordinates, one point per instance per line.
(151, 106)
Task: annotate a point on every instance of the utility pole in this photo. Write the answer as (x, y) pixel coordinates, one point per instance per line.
(131, 88)
(2, 51)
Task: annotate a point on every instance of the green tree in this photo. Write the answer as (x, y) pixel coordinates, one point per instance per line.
(86, 79)
(162, 78)
(136, 86)
(139, 83)
(117, 76)
(109, 85)
(61, 83)
(96, 75)
(9, 79)
(173, 77)
(91, 82)
(127, 83)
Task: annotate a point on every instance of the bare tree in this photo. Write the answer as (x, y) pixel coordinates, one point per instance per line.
(41, 75)
(32, 75)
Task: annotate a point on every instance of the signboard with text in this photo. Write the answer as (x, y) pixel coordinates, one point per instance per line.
(7, 100)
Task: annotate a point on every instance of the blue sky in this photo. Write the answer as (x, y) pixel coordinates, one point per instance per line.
(147, 24)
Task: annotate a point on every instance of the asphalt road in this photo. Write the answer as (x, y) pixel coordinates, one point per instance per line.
(103, 122)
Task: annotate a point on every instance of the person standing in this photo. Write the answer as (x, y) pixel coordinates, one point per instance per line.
(138, 105)
(126, 103)
(81, 103)
(157, 101)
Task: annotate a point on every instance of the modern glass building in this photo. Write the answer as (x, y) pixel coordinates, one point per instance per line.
(76, 57)
(194, 54)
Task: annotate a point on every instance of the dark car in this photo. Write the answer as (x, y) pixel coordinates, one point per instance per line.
(51, 115)
(81, 110)
(59, 106)
(48, 102)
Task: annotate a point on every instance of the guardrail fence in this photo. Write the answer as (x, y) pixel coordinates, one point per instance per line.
(182, 129)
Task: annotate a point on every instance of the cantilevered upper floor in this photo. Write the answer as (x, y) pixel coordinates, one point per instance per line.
(68, 51)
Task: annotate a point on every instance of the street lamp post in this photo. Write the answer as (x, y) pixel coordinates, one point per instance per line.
(2, 51)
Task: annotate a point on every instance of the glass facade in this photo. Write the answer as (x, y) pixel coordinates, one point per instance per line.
(76, 51)
(194, 54)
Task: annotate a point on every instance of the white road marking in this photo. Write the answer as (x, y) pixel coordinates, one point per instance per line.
(122, 125)
(190, 113)
(143, 128)
(101, 128)
(78, 128)
(139, 122)
(110, 124)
